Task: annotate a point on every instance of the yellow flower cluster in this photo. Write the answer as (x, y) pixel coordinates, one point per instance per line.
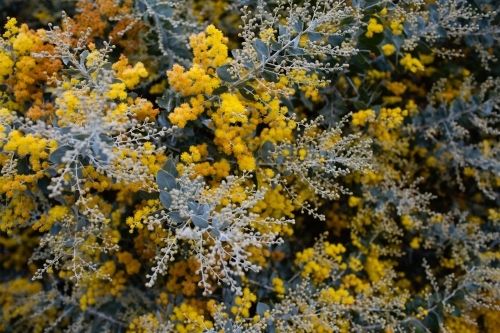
(243, 304)
(493, 215)
(354, 201)
(361, 117)
(388, 49)
(302, 154)
(411, 64)
(128, 74)
(55, 214)
(258, 256)
(195, 81)
(144, 324)
(18, 211)
(427, 59)
(148, 207)
(231, 111)
(274, 205)
(229, 137)
(246, 162)
(183, 277)
(447, 263)
(29, 145)
(415, 243)
(375, 267)
(411, 107)
(218, 170)
(278, 286)
(341, 295)
(278, 130)
(6, 64)
(373, 76)
(10, 294)
(392, 99)
(142, 109)
(96, 287)
(118, 91)
(237, 195)
(371, 177)
(186, 112)
(407, 222)
(189, 319)
(158, 88)
(373, 28)
(209, 52)
(491, 321)
(24, 75)
(69, 103)
(317, 265)
(95, 180)
(392, 117)
(22, 44)
(11, 28)
(132, 266)
(460, 325)
(397, 88)
(311, 92)
(304, 79)
(334, 251)
(396, 27)
(352, 281)
(195, 155)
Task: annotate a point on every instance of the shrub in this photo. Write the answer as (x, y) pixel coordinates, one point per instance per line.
(250, 166)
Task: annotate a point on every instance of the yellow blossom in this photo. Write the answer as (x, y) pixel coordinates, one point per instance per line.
(373, 27)
(388, 49)
(246, 163)
(396, 27)
(6, 64)
(397, 88)
(411, 64)
(361, 117)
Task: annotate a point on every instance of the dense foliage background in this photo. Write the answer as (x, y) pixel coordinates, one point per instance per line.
(249, 166)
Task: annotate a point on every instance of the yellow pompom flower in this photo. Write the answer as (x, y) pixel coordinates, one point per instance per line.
(388, 49)
(411, 64)
(246, 163)
(396, 27)
(373, 28)
(361, 117)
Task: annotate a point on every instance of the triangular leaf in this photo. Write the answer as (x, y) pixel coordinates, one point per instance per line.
(262, 308)
(248, 93)
(215, 232)
(459, 295)
(166, 199)
(267, 148)
(199, 222)
(165, 181)
(298, 26)
(261, 47)
(220, 90)
(176, 217)
(314, 36)
(432, 321)
(58, 154)
(270, 76)
(170, 168)
(223, 74)
(83, 57)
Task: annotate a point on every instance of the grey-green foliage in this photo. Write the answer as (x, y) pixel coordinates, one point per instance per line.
(452, 127)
